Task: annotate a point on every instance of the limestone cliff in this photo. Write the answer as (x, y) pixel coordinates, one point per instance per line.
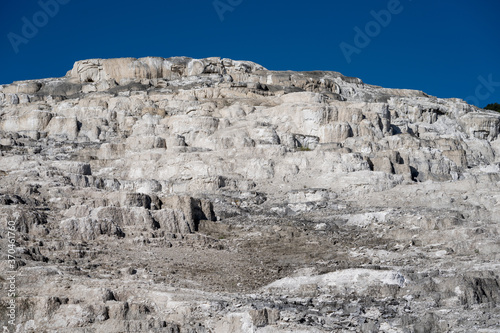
(213, 195)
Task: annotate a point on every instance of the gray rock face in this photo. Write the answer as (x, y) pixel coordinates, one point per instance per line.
(213, 195)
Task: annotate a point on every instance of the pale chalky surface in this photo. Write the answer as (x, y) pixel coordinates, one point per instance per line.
(213, 195)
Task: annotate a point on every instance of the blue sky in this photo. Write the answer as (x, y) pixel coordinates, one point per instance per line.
(445, 48)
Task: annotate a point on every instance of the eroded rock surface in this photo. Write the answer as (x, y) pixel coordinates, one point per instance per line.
(212, 195)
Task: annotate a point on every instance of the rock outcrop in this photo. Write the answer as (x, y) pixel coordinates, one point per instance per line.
(213, 195)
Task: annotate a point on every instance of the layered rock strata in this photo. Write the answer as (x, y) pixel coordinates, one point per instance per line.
(213, 195)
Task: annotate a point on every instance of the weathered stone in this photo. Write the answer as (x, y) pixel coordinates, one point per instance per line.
(264, 317)
(213, 195)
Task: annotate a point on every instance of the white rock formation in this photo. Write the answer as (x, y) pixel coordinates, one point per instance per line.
(191, 195)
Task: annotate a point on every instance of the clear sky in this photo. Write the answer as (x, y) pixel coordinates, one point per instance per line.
(447, 48)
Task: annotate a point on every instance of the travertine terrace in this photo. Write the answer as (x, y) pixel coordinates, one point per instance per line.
(213, 195)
